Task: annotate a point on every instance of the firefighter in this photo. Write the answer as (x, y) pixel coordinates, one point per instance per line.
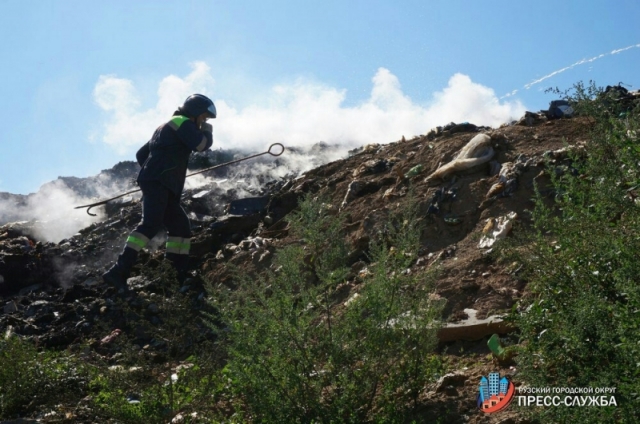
(164, 166)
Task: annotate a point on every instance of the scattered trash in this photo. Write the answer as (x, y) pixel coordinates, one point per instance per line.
(560, 109)
(452, 128)
(498, 231)
(111, 337)
(494, 167)
(440, 196)
(374, 166)
(414, 171)
(453, 220)
(133, 399)
(495, 347)
(532, 118)
(180, 418)
(476, 152)
(200, 194)
(508, 178)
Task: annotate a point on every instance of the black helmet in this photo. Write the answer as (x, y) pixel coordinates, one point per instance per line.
(197, 104)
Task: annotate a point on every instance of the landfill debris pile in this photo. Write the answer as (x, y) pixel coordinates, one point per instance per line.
(52, 292)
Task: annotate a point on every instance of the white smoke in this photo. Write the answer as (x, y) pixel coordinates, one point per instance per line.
(49, 215)
(300, 113)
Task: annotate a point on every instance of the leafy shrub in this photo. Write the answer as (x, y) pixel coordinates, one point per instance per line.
(146, 386)
(154, 394)
(30, 379)
(299, 353)
(580, 327)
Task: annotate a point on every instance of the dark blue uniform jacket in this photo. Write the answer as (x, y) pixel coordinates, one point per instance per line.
(165, 157)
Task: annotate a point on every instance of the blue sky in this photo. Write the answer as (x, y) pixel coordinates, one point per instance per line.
(84, 83)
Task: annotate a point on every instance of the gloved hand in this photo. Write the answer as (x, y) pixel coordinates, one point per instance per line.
(206, 127)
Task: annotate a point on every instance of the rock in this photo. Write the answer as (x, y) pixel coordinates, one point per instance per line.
(352, 299)
(138, 283)
(355, 187)
(358, 266)
(248, 206)
(203, 244)
(10, 307)
(455, 379)
(265, 256)
(91, 282)
(230, 249)
(473, 328)
(373, 166)
(29, 289)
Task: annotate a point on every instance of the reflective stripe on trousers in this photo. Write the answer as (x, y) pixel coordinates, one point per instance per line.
(137, 241)
(178, 245)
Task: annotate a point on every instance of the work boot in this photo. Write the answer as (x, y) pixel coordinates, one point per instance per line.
(118, 274)
(180, 263)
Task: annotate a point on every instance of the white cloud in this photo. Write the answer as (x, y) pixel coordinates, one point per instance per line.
(127, 127)
(301, 113)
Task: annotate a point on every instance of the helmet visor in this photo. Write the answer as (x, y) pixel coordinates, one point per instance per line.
(212, 110)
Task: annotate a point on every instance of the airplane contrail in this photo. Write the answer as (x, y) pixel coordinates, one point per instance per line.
(580, 62)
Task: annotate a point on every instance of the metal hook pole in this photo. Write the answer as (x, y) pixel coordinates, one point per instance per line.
(269, 152)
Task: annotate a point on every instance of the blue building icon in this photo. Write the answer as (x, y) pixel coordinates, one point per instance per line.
(494, 383)
(504, 385)
(484, 389)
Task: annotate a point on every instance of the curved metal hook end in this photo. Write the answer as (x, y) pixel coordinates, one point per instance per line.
(92, 214)
(276, 154)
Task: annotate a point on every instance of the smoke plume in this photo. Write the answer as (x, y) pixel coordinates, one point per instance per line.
(300, 113)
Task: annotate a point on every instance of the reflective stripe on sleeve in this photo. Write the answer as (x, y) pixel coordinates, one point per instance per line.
(137, 241)
(203, 144)
(177, 121)
(178, 245)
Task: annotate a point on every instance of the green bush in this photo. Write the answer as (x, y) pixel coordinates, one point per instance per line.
(154, 394)
(140, 388)
(581, 325)
(297, 353)
(30, 379)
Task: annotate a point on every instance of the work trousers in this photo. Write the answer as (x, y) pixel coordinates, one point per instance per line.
(161, 208)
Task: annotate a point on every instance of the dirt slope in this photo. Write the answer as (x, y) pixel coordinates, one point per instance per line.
(365, 186)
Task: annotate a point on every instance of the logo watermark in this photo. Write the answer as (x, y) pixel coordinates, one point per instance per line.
(494, 393)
